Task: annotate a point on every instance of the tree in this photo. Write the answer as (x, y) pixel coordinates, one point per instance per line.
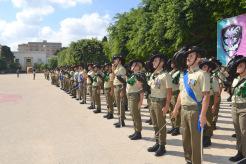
(6, 54)
(52, 62)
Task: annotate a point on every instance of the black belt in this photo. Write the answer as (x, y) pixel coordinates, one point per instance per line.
(239, 105)
(155, 99)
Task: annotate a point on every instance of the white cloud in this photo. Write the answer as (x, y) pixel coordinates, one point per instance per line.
(34, 15)
(70, 29)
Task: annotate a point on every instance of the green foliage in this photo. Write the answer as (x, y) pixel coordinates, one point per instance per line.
(52, 62)
(166, 25)
(82, 52)
(6, 54)
(3, 64)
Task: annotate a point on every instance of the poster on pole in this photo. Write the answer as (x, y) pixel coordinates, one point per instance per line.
(231, 38)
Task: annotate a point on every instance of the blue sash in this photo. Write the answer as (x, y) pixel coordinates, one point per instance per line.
(191, 93)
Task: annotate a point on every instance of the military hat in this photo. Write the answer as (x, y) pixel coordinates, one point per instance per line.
(89, 64)
(161, 56)
(232, 65)
(240, 60)
(180, 58)
(96, 65)
(120, 58)
(136, 61)
(207, 62)
(196, 49)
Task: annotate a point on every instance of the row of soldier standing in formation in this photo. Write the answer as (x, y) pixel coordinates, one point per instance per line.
(189, 92)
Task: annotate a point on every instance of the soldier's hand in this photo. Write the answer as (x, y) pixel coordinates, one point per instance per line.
(175, 113)
(164, 109)
(98, 91)
(121, 94)
(203, 120)
(111, 93)
(213, 109)
(139, 105)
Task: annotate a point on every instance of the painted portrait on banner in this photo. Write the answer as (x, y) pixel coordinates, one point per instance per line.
(231, 38)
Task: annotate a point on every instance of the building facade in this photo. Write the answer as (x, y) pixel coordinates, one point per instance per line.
(35, 52)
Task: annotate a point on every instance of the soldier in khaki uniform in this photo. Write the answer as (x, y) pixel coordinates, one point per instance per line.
(119, 74)
(90, 76)
(161, 93)
(208, 66)
(83, 90)
(175, 74)
(239, 108)
(108, 90)
(135, 94)
(193, 108)
(96, 88)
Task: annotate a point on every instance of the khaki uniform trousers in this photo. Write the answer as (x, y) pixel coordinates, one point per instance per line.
(109, 100)
(133, 101)
(158, 119)
(208, 130)
(177, 121)
(190, 134)
(216, 115)
(120, 103)
(239, 122)
(89, 90)
(96, 96)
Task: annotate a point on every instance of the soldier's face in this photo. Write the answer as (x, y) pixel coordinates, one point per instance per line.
(205, 68)
(241, 68)
(191, 59)
(157, 63)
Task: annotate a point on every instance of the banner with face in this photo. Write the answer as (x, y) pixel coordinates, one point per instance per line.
(231, 38)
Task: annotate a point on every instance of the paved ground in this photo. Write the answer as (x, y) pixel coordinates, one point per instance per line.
(40, 124)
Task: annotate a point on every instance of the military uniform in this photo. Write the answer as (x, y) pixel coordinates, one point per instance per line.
(160, 81)
(199, 81)
(208, 130)
(239, 113)
(108, 82)
(175, 74)
(96, 92)
(119, 88)
(134, 89)
(90, 76)
(83, 86)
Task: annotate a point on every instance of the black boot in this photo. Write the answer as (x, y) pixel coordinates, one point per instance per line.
(161, 151)
(175, 132)
(243, 161)
(82, 102)
(98, 110)
(170, 131)
(106, 116)
(237, 157)
(137, 136)
(118, 125)
(234, 135)
(154, 148)
(110, 116)
(206, 141)
(148, 121)
(130, 136)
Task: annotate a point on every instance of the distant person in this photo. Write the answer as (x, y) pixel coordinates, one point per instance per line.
(34, 73)
(18, 72)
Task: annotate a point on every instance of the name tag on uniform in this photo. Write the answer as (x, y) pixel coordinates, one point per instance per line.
(192, 82)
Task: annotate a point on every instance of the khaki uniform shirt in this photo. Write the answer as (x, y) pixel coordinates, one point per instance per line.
(159, 84)
(96, 80)
(107, 84)
(236, 98)
(92, 74)
(174, 74)
(135, 88)
(199, 82)
(120, 70)
(214, 85)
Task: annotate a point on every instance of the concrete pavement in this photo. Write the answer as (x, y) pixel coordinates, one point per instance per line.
(41, 124)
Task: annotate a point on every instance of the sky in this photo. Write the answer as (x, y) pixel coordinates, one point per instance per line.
(23, 21)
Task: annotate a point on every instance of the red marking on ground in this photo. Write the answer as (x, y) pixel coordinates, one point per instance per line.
(9, 98)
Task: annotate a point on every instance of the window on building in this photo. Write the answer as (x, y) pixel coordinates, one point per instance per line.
(17, 60)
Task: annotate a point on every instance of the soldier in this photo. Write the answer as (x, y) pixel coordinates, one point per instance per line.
(208, 66)
(108, 90)
(90, 76)
(239, 107)
(119, 74)
(83, 75)
(175, 74)
(161, 93)
(193, 100)
(96, 88)
(135, 95)
(148, 73)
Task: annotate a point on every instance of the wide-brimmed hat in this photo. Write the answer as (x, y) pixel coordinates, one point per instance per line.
(180, 58)
(136, 61)
(207, 62)
(119, 57)
(161, 56)
(96, 65)
(196, 49)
